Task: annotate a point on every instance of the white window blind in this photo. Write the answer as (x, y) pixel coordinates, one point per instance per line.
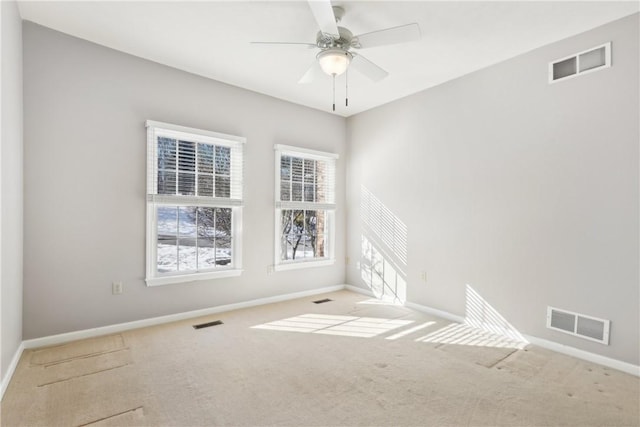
(192, 166)
(306, 178)
(194, 203)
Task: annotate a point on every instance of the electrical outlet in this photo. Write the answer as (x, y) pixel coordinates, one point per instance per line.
(348, 261)
(116, 288)
(423, 276)
(270, 269)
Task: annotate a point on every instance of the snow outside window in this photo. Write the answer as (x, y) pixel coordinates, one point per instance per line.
(305, 207)
(194, 204)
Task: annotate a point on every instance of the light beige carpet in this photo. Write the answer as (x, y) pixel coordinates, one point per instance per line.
(345, 362)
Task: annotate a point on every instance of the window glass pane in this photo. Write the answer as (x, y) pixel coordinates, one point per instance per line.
(187, 258)
(166, 182)
(167, 221)
(206, 253)
(223, 236)
(309, 192)
(167, 250)
(321, 181)
(307, 247)
(166, 153)
(187, 156)
(285, 168)
(223, 251)
(186, 184)
(187, 222)
(309, 171)
(320, 230)
(167, 254)
(205, 185)
(288, 234)
(320, 243)
(285, 191)
(296, 169)
(296, 191)
(206, 223)
(223, 160)
(294, 235)
(223, 186)
(205, 158)
(223, 222)
(310, 222)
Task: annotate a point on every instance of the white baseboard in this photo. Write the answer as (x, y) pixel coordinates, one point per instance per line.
(435, 312)
(120, 327)
(11, 369)
(549, 345)
(359, 290)
(585, 355)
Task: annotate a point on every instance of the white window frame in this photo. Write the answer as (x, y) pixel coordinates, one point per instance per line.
(329, 208)
(154, 200)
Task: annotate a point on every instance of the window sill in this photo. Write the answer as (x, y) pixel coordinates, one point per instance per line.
(192, 277)
(303, 264)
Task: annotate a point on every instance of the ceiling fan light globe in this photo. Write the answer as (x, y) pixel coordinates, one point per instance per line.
(334, 61)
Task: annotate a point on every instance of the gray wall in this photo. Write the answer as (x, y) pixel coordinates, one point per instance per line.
(85, 177)
(527, 192)
(11, 185)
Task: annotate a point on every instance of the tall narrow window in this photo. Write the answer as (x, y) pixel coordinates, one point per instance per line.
(305, 207)
(194, 204)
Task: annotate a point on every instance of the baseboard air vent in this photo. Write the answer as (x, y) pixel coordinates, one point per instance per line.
(594, 59)
(580, 325)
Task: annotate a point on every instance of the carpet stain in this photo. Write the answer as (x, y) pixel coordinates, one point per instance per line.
(122, 418)
(78, 349)
(82, 375)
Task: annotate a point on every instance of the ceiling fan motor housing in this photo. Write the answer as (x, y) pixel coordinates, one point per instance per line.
(325, 41)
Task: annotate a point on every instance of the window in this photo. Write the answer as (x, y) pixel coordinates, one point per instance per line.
(305, 207)
(194, 204)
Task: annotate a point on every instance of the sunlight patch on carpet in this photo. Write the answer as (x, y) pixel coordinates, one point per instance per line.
(327, 324)
(461, 334)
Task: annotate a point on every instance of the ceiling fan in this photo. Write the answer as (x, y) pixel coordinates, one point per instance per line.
(336, 44)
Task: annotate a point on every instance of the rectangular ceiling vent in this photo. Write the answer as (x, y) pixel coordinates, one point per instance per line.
(322, 301)
(580, 325)
(587, 61)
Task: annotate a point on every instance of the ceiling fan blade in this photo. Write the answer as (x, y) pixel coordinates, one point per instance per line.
(312, 73)
(323, 13)
(309, 45)
(394, 35)
(368, 68)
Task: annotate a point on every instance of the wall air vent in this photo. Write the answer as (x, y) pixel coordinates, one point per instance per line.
(593, 59)
(587, 327)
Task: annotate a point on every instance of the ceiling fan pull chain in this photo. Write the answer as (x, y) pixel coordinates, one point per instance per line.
(334, 92)
(346, 88)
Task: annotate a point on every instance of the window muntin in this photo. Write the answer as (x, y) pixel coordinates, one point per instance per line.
(305, 195)
(194, 204)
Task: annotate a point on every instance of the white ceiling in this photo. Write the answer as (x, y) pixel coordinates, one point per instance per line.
(212, 39)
